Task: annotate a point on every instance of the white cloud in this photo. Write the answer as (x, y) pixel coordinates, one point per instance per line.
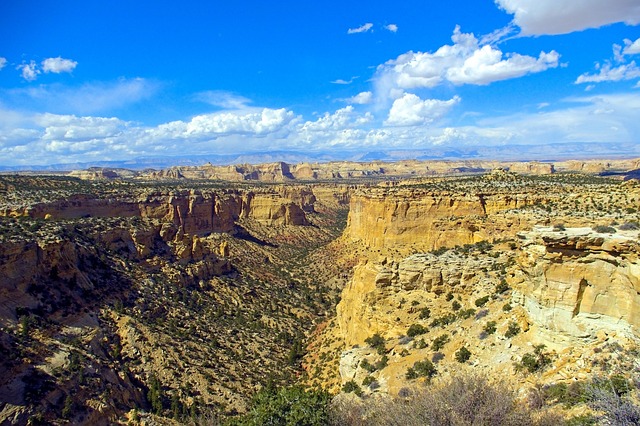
(3, 62)
(88, 98)
(361, 29)
(58, 65)
(410, 110)
(564, 16)
(223, 99)
(628, 71)
(361, 98)
(72, 128)
(392, 27)
(251, 122)
(464, 62)
(30, 71)
(631, 48)
(343, 118)
(341, 81)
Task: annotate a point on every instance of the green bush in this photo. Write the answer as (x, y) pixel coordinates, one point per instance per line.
(287, 406)
(490, 327)
(425, 313)
(416, 330)
(534, 361)
(480, 302)
(439, 342)
(512, 330)
(602, 229)
(462, 355)
(422, 369)
(351, 387)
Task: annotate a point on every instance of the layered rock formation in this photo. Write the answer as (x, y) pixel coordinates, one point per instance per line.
(422, 221)
(192, 211)
(577, 283)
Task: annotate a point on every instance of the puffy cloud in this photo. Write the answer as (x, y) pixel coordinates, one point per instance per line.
(565, 16)
(30, 71)
(628, 71)
(361, 98)
(254, 123)
(341, 119)
(361, 29)
(72, 128)
(464, 62)
(58, 65)
(410, 110)
(222, 99)
(392, 27)
(3, 62)
(631, 48)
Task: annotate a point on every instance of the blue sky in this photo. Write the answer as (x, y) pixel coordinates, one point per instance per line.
(117, 80)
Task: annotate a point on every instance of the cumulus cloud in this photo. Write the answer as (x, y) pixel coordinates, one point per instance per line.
(631, 47)
(464, 62)
(341, 119)
(410, 110)
(58, 65)
(607, 72)
(256, 123)
(30, 71)
(222, 99)
(361, 29)
(3, 62)
(564, 16)
(361, 98)
(392, 27)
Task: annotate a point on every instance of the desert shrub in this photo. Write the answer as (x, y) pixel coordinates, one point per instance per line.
(602, 229)
(449, 296)
(608, 398)
(534, 361)
(462, 355)
(443, 320)
(422, 369)
(559, 227)
(352, 387)
(416, 330)
(460, 401)
(424, 313)
(481, 301)
(368, 380)
(286, 406)
(367, 366)
(466, 313)
(456, 305)
(507, 307)
(512, 330)
(502, 287)
(420, 344)
(490, 327)
(439, 342)
(629, 226)
(377, 342)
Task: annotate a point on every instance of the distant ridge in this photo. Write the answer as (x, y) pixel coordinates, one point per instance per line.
(548, 152)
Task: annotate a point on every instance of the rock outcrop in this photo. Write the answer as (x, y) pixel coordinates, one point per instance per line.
(577, 283)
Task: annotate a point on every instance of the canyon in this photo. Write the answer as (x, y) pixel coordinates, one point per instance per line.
(179, 293)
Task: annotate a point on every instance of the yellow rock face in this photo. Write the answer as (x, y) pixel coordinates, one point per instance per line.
(577, 283)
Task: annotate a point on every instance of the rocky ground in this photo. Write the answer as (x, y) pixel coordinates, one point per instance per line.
(178, 297)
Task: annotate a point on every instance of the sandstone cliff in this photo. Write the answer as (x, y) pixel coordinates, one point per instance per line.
(575, 284)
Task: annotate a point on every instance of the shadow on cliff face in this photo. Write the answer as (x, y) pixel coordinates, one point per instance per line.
(243, 234)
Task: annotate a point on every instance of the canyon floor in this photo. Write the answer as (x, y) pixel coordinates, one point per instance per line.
(172, 297)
